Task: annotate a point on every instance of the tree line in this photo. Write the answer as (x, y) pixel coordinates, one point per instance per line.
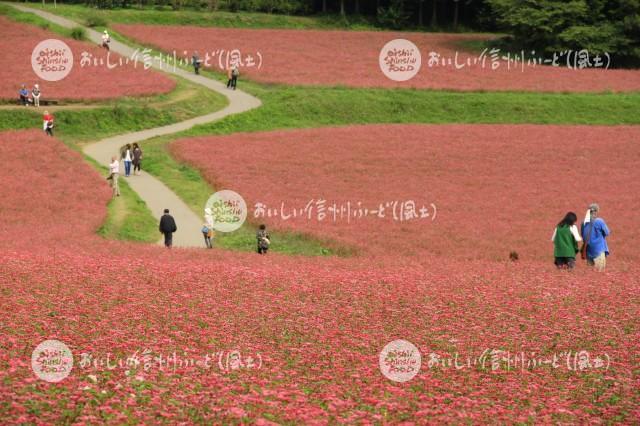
(393, 14)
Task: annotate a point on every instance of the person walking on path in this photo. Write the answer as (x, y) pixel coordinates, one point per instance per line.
(46, 117)
(47, 123)
(264, 239)
(195, 61)
(137, 158)
(207, 233)
(24, 95)
(106, 39)
(167, 228)
(235, 72)
(114, 172)
(595, 232)
(229, 77)
(565, 242)
(49, 127)
(35, 93)
(127, 158)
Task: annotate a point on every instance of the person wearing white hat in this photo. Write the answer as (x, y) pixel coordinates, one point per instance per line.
(594, 233)
(35, 93)
(114, 173)
(208, 216)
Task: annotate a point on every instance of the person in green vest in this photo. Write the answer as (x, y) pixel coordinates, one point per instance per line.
(565, 242)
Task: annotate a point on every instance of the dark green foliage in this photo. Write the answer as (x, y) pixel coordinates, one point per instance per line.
(96, 20)
(78, 33)
(548, 26)
(394, 16)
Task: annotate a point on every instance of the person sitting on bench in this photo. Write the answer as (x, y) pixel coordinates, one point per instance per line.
(24, 95)
(35, 93)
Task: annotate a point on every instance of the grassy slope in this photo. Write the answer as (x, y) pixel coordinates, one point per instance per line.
(129, 218)
(292, 107)
(77, 127)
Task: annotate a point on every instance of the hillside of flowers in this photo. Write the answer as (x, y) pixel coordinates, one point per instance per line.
(95, 74)
(351, 58)
(483, 190)
(207, 336)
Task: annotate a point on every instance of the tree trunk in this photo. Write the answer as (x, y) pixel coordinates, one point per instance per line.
(357, 7)
(324, 6)
(421, 13)
(342, 13)
(434, 14)
(456, 12)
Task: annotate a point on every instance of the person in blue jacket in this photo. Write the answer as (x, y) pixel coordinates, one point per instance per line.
(24, 95)
(594, 233)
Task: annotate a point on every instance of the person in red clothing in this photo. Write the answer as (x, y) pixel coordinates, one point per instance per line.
(47, 123)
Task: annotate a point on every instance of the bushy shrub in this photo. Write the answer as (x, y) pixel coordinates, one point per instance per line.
(393, 16)
(78, 33)
(96, 21)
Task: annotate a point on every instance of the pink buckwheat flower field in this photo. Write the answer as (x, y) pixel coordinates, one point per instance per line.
(353, 222)
(94, 82)
(313, 328)
(491, 194)
(330, 58)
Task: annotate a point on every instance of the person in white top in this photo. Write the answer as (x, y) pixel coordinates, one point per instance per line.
(106, 39)
(35, 93)
(127, 157)
(114, 172)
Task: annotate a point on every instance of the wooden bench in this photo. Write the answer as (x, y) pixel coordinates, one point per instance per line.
(43, 102)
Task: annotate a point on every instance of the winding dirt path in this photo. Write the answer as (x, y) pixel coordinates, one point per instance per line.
(155, 194)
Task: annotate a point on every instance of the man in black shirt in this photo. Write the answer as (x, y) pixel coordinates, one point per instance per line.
(167, 227)
(195, 61)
